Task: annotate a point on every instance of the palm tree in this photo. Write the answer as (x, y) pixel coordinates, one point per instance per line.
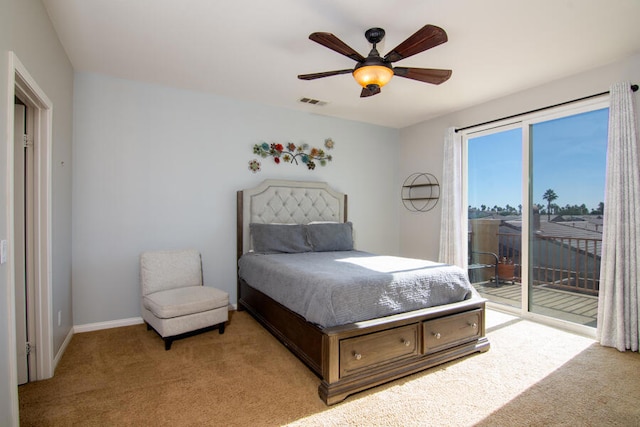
(549, 196)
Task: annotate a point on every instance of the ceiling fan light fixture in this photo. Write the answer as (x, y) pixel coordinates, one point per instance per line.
(373, 75)
(375, 71)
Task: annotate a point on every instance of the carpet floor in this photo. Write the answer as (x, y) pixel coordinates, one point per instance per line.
(533, 375)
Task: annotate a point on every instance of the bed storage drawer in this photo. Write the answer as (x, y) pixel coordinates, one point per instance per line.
(378, 348)
(452, 330)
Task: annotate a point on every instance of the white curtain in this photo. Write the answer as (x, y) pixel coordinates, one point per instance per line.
(618, 314)
(453, 225)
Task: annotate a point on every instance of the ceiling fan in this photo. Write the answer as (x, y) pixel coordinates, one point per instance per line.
(374, 71)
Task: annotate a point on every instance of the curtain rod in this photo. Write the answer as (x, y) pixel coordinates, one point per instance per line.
(633, 88)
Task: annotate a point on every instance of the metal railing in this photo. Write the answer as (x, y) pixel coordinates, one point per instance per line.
(560, 262)
(567, 263)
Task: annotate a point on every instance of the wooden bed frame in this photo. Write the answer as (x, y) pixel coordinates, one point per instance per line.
(354, 357)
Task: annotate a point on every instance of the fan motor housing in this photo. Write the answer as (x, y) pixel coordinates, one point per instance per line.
(374, 35)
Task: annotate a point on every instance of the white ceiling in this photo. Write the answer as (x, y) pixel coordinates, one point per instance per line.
(254, 49)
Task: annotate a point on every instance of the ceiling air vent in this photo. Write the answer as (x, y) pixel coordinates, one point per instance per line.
(313, 101)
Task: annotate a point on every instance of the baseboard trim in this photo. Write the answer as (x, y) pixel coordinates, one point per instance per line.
(88, 327)
(62, 349)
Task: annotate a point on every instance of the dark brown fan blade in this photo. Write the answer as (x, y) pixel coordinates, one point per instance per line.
(425, 38)
(334, 43)
(369, 91)
(323, 74)
(427, 75)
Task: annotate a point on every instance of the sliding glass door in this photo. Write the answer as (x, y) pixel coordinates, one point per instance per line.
(567, 167)
(495, 213)
(535, 192)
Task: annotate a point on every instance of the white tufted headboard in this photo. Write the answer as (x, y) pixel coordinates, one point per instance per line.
(287, 202)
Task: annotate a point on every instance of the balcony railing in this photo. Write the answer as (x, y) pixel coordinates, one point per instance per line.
(560, 262)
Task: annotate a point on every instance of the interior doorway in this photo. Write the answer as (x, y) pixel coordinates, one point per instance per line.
(23, 240)
(30, 223)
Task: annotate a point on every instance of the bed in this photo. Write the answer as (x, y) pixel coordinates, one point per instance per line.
(361, 340)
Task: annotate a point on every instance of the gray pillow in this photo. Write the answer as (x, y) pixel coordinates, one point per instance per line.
(279, 238)
(325, 237)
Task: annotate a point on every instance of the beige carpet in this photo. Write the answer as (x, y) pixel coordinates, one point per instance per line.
(533, 375)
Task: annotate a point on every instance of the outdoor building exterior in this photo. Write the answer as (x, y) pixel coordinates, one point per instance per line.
(565, 259)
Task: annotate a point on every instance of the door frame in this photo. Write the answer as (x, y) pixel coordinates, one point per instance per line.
(22, 85)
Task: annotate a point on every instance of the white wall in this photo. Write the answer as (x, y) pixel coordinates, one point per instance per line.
(421, 146)
(158, 168)
(8, 386)
(25, 29)
(37, 46)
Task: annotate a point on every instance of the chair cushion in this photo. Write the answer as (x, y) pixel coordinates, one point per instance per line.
(185, 301)
(162, 270)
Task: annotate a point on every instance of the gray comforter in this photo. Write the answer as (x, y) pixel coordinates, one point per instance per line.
(336, 288)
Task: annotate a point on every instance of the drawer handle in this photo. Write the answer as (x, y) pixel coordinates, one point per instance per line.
(474, 325)
(406, 343)
(357, 356)
(437, 335)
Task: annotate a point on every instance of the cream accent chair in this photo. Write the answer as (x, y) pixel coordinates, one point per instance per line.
(174, 301)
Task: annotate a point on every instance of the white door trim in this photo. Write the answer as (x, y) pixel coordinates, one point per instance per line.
(25, 87)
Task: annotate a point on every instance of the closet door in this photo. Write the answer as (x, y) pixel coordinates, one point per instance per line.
(19, 243)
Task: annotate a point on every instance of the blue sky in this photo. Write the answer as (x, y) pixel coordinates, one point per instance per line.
(569, 156)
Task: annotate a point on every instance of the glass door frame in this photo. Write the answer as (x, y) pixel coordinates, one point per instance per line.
(525, 122)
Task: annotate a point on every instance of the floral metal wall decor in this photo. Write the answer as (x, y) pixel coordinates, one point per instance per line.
(292, 153)
(254, 166)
